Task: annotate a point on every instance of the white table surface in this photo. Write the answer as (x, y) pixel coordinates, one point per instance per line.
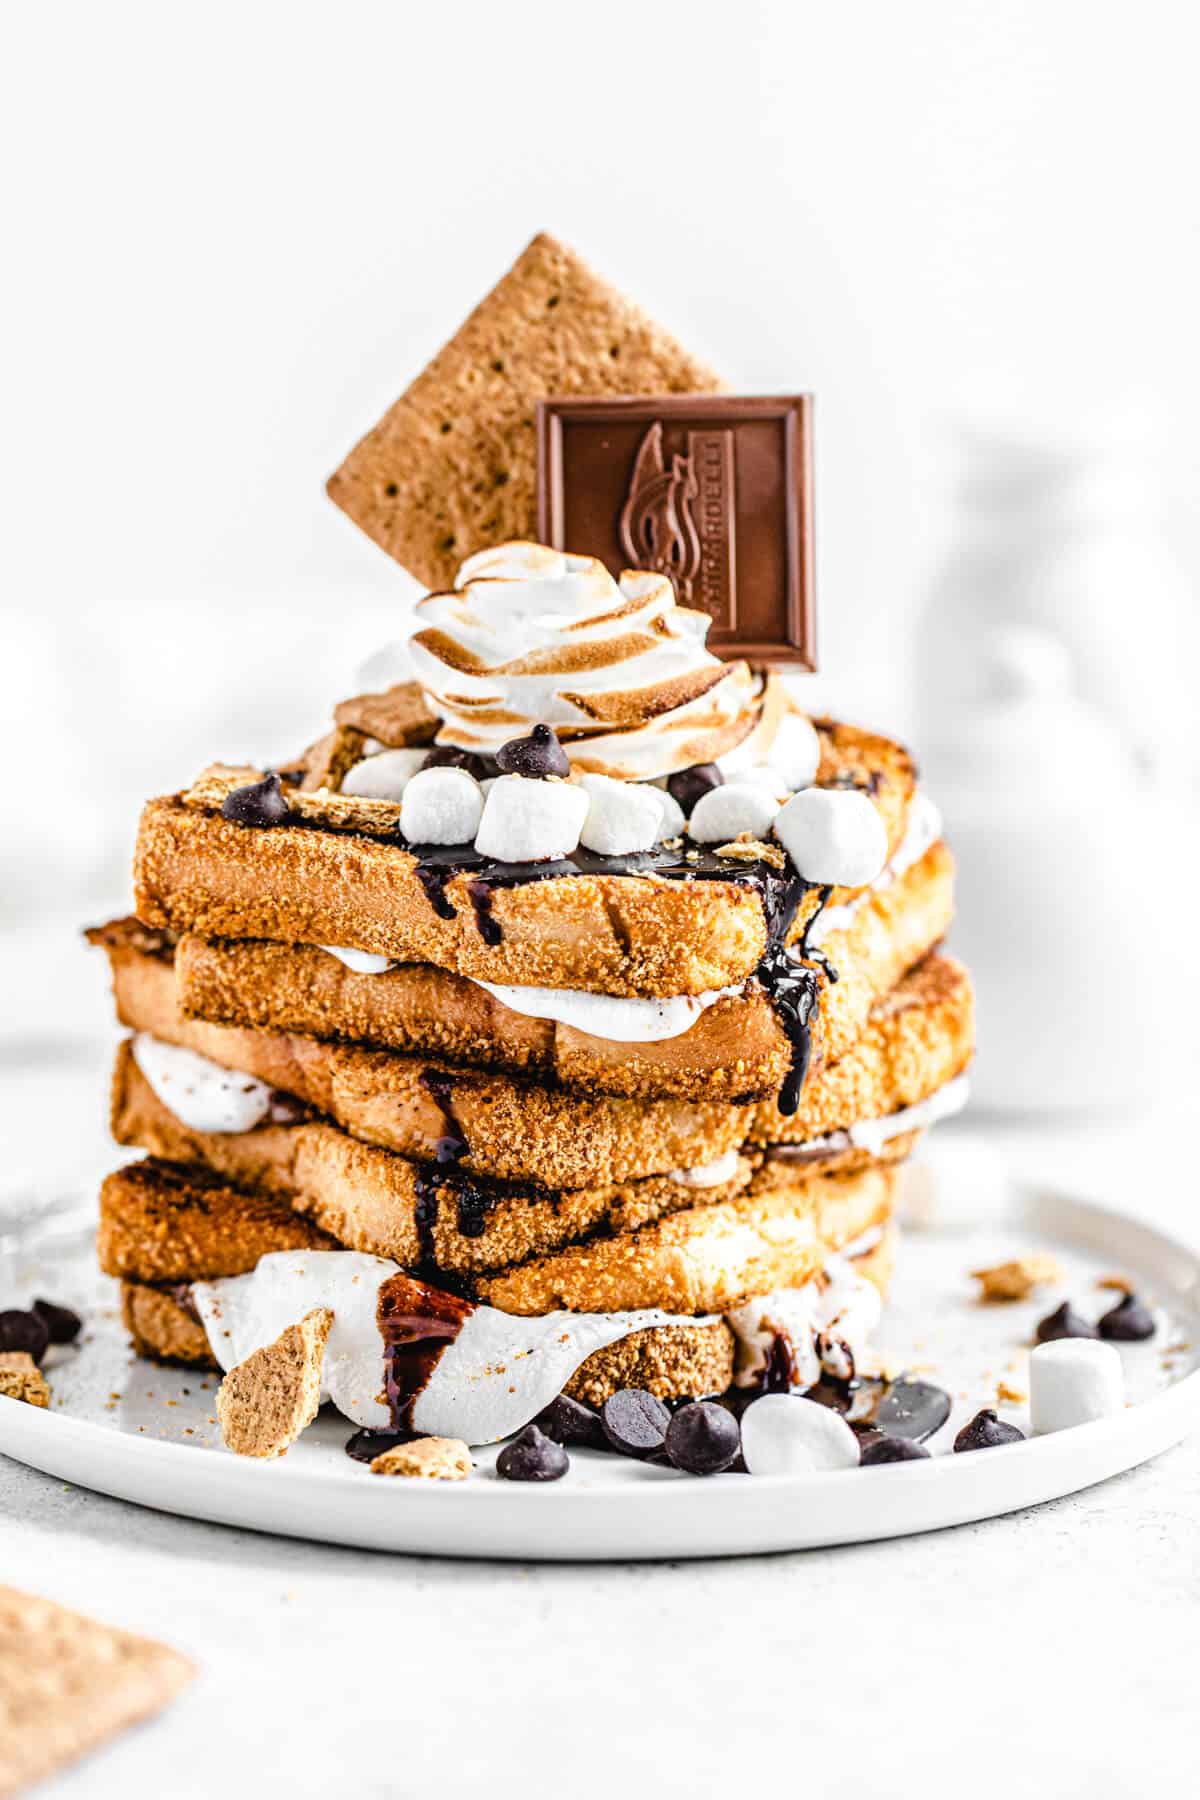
(1052, 1651)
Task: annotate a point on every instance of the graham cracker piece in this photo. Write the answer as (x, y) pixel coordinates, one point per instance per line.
(1016, 1280)
(431, 1459)
(21, 1379)
(67, 1683)
(327, 762)
(399, 717)
(451, 467)
(266, 1402)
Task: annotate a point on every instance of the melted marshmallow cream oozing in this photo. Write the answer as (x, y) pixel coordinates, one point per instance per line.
(201, 1094)
(500, 1370)
(533, 636)
(496, 1375)
(826, 1323)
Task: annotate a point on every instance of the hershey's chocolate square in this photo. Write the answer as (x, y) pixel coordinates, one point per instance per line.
(713, 490)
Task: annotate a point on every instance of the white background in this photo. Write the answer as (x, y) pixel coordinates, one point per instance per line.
(234, 233)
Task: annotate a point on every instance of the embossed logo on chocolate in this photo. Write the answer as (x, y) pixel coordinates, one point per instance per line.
(711, 490)
(678, 518)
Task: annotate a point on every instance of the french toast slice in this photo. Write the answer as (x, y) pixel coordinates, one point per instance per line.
(334, 872)
(918, 1039)
(418, 1215)
(676, 1360)
(736, 1050)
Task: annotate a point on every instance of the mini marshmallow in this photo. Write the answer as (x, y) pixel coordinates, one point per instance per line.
(795, 753)
(785, 1435)
(1074, 1380)
(725, 812)
(531, 821)
(383, 777)
(622, 817)
(441, 806)
(834, 836)
(671, 823)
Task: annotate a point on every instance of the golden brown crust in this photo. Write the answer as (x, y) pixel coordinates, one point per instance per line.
(675, 1362)
(735, 1051)
(327, 883)
(710, 1258)
(513, 1130)
(451, 466)
(367, 1198)
(163, 1223)
(68, 1683)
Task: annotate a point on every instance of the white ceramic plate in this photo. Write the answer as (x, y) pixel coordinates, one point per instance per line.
(146, 1434)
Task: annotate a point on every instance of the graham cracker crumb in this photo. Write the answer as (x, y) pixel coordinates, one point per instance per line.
(748, 849)
(67, 1683)
(21, 1379)
(1012, 1396)
(1119, 1284)
(432, 1458)
(266, 1402)
(1016, 1280)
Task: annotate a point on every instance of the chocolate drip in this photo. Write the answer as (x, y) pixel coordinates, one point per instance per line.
(417, 1323)
(480, 890)
(452, 1144)
(793, 988)
(366, 1445)
(433, 877)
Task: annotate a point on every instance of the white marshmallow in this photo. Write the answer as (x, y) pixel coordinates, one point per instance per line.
(770, 780)
(725, 812)
(834, 836)
(785, 1435)
(1072, 1381)
(795, 752)
(672, 823)
(622, 817)
(531, 821)
(383, 777)
(441, 806)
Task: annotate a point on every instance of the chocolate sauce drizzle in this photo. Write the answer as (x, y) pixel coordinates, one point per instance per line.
(793, 985)
(416, 1323)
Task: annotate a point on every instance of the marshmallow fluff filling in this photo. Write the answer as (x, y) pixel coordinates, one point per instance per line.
(501, 1370)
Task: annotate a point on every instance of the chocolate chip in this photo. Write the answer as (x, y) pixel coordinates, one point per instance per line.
(911, 1409)
(447, 757)
(1128, 1322)
(892, 1450)
(1065, 1322)
(536, 756)
(24, 1331)
(985, 1430)
(568, 1421)
(689, 785)
(61, 1323)
(532, 1457)
(635, 1423)
(703, 1438)
(262, 803)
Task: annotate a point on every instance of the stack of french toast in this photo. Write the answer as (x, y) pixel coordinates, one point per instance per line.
(596, 997)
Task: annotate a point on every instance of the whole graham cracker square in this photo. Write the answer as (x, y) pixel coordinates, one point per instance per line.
(67, 1683)
(452, 466)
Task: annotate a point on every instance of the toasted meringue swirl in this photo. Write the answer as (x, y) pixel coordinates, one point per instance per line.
(534, 636)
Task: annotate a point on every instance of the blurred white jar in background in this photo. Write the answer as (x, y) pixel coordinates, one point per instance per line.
(1073, 880)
